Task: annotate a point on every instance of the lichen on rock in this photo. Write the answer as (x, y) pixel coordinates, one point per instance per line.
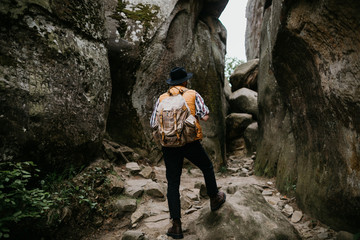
(136, 21)
(55, 85)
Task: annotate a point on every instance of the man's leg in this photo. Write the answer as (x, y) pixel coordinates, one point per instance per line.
(197, 155)
(173, 162)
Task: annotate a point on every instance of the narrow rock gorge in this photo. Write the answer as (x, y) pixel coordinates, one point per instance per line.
(309, 105)
(78, 82)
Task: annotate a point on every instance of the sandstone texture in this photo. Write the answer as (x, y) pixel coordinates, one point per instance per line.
(55, 82)
(245, 75)
(244, 100)
(236, 123)
(254, 18)
(240, 218)
(309, 106)
(146, 40)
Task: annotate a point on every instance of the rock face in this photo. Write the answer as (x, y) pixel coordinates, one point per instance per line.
(143, 50)
(54, 81)
(236, 123)
(244, 100)
(130, 27)
(309, 101)
(240, 218)
(245, 75)
(254, 17)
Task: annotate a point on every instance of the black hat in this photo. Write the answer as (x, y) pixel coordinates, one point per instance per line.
(178, 75)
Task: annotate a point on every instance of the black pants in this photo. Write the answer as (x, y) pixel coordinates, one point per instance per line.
(174, 158)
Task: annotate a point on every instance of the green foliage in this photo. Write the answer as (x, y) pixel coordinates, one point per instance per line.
(18, 200)
(70, 192)
(53, 198)
(230, 64)
(54, 178)
(290, 186)
(223, 169)
(357, 236)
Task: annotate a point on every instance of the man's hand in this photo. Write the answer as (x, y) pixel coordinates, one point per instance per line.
(205, 118)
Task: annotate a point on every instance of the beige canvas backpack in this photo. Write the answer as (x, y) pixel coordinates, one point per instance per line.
(174, 124)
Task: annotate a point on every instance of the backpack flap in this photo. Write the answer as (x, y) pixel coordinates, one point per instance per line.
(172, 114)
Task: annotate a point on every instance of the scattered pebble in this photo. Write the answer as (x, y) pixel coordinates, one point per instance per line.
(287, 210)
(267, 193)
(296, 216)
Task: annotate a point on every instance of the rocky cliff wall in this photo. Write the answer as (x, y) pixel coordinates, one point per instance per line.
(309, 102)
(146, 41)
(54, 81)
(254, 18)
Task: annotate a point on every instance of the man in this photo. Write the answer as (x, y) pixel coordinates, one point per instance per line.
(193, 151)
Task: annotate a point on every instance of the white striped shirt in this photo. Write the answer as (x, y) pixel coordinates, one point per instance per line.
(200, 109)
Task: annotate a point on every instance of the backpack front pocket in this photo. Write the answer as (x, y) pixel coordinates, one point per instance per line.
(190, 130)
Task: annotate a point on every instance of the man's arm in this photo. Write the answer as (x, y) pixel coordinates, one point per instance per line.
(205, 118)
(202, 111)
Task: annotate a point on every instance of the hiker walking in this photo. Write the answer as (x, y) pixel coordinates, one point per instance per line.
(175, 123)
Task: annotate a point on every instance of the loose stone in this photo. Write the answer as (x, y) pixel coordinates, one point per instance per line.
(296, 217)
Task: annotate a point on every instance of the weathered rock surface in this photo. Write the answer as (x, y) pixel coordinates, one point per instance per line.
(115, 184)
(151, 216)
(254, 19)
(155, 190)
(54, 81)
(244, 100)
(147, 172)
(251, 137)
(133, 168)
(135, 188)
(119, 153)
(309, 105)
(119, 207)
(240, 218)
(133, 235)
(142, 51)
(236, 123)
(227, 90)
(342, 235)
(237, 147)
(245, 76)
(296, 216)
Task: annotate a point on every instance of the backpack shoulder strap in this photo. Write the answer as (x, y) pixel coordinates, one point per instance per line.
(168, 92)
(181, 91)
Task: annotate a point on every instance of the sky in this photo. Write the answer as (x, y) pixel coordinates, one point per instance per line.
(233, 18)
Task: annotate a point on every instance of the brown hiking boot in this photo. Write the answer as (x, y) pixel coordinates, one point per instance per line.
(217, 201)
(175, 231)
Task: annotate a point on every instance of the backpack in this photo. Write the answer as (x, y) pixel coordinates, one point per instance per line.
(174, 124)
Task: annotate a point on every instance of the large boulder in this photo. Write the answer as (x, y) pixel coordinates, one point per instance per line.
(236, 123)
(245, 75)
(244, 100)
(309, 105)
(54, 81)
(179, 33)
(244, 215)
